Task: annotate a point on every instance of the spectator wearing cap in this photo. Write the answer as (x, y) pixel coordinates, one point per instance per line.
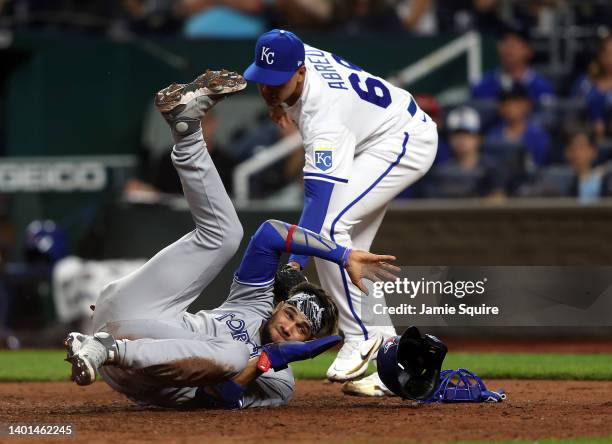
(580, 153)
(466, 173)
(596, 88)
(514, 107)
(514, 55)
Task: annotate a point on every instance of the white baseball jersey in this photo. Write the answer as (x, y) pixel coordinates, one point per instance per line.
(365, 141)
(341, 109)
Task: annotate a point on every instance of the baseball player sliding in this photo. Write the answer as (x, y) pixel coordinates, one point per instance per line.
(365, 141)
(149, 348)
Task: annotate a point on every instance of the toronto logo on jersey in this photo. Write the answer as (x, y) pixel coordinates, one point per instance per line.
(267, 55)
(323, 159)
(238, 331)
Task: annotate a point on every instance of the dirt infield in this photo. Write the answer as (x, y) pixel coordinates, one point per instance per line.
(318, 413)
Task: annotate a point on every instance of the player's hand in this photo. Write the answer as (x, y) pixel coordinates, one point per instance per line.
(374, 267)
(280, 354)
(278, 115)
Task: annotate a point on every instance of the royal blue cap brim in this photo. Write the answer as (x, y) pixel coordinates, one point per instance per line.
(264, 76)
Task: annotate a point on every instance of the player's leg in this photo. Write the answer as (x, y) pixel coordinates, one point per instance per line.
(383, 172)
(371, 386)
(170, 357)
(183, 362)
(357, 209)
(359, 236)
(354, 356)
(166, 285)
(363, 235)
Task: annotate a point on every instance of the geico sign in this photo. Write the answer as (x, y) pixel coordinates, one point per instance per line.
(50, 176)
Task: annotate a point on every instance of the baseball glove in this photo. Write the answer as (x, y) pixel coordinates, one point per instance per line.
(286, 278)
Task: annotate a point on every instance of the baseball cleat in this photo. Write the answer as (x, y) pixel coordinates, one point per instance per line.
(184, 105)
(87, 354)
(368, 386)
(353, 359)
(73, 343)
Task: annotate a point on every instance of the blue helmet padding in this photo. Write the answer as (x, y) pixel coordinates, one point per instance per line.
(461, 385)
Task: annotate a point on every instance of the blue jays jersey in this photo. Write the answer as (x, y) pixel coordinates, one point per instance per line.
(341, 110)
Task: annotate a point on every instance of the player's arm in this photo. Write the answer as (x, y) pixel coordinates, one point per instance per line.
(256, 385)
(250, 388)
(260, 261)
(261, 258)
(329, 158)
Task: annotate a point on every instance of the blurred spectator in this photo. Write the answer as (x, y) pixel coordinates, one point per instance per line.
(153, 15)
(418, 16)
(300, 14)
(516, 128)
(535, 14)
(45, 243)
(167, 179)
(248, 141)
(581, 153)
(224, 18)
(514, 55)
(463, 15)
(359, 16)
(158, 175)
(596, 88)
(592, 12)
(466, 174)
(91, 15)
(287, 171)
(249, 18)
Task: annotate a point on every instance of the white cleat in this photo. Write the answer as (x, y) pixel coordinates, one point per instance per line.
(353, 359)
(370, 386)
(87, 354)
(73, 343)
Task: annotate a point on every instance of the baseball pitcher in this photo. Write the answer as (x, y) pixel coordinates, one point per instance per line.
(365, 141)
(149, 348)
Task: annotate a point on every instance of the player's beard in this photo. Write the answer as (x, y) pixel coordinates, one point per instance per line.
(264, 333)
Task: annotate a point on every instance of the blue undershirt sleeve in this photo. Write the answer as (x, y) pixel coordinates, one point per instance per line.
(317, 194)
(260, 260)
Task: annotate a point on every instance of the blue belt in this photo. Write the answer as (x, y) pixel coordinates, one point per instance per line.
(412, 108)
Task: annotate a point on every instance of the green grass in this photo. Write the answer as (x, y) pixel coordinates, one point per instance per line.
(48, 365)
(33, 365)
(502, 365)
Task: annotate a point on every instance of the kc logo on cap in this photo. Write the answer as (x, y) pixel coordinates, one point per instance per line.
(267, 55)
(278, 55)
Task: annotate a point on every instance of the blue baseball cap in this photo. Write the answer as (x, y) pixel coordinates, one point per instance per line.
(278, 54)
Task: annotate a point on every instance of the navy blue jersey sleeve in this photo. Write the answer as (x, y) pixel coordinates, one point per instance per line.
(317, 194)
(274, 237)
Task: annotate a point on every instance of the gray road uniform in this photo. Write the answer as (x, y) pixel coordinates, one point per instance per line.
(166, 355)
(169, 352)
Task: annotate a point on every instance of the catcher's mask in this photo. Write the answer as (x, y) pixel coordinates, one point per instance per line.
(409, 365)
